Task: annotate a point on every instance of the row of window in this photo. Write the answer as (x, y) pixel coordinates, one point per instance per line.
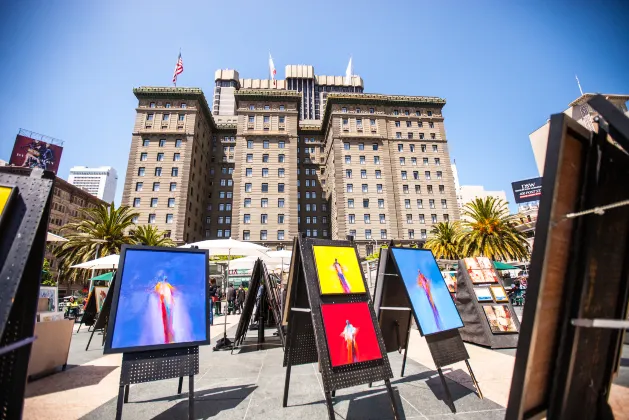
(165, 117)
(158, 171)
(410, 136)
(427, 175)
(156, 185)
(266, 144)
(383, 233)
(264, 235)
(160, 157)
(162, 142)
(136, 202)
(265, 172)
(351, 218)
(400, 147)
(422, 219)
(265, 158)
(266, 119)
(418, 113)
(152, 218)
(407, 203)
(182, 105)
(376, 160)
(252, 107)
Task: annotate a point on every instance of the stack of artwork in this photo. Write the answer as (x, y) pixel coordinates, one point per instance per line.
(349, 328)
(488, 290)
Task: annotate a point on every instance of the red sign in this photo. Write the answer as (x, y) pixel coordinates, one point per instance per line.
(31, 153)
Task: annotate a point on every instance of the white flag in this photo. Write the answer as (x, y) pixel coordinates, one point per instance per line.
(349, 73)
(272, 71)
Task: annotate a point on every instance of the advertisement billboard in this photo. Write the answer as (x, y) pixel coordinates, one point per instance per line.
(32, 153)
(527, 190)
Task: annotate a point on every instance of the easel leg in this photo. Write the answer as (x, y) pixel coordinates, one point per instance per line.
(190, 397)
(79, 329)
(447, 391)
(404, 361)
(469, 368)
(104, 336)
(408, 337)
(126, 393)
(120, 402)
(89, 341)
(180, 385)
(328, 402)
(286, 384)
(333, 393)
(396, 415)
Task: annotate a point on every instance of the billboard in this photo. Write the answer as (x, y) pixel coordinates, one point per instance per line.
(31, 153)
(527, 190)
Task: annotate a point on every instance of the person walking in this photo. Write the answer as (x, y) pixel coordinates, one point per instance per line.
(231, 299)
(217, 302)
(240, 299)
(212, 293)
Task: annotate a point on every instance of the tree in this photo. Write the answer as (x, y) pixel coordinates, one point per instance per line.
(488, 230)
(99, 232)
(151, 236)
(46, 276)
(444, 241)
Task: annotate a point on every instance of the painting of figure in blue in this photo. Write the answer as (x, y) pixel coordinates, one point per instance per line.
(161, 299)
(431, 302)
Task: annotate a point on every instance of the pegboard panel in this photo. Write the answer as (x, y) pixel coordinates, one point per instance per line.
(446, 348)
(303, 348)
(156, 365)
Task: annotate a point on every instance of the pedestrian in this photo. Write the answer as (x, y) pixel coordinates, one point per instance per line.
(217, 302)
(212, 293)
(231, 299)
(240, 299)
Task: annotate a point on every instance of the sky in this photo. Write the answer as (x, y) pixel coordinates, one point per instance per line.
(503, 67)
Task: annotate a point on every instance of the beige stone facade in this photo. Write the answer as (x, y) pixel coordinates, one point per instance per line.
(376, 167)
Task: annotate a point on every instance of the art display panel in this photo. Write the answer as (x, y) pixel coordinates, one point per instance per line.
(338, 270)
(51, 294)
(350, 333)
(500, 319)
(480, 270)
(431, 302)
(499, 294)
(483, 294)
(100, 293)
(160, 300)
(450, 279)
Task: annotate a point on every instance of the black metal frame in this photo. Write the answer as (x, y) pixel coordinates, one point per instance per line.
(7, 205)
(118, 284)
(89, 314)
(103, 316)
(305, 338)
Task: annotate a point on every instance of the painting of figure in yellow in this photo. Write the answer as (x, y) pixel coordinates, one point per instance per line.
(338, 270)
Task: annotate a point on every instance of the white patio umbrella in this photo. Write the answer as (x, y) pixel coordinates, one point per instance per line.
(103, 263)
(281, 255)
(245, 262)
(51, 237)
(229, 247)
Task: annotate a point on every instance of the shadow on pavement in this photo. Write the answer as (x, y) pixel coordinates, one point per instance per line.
(77, 377)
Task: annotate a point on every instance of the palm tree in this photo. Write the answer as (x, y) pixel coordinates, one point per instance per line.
(444, 241)
(150, 235)
(487, 230)
(99, 232)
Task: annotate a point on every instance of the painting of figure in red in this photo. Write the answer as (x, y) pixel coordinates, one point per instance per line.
(424, 285)
(164, 292)
(350, 333)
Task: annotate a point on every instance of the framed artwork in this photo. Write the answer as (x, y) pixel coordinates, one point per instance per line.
(489, 276)
(499, 293)
(432, 305)
(51, 293)
(450, 279)
(476, 276)
(338, 270)
(100, 293)
(483, 294)
(500, 319)
(471, 263)
(160, 300)
(350, 333)
(484, 263)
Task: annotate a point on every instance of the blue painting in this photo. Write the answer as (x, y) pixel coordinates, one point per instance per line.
(161, 299)
(431, 302)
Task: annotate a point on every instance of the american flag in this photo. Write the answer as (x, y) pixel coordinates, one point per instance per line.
(178, 69)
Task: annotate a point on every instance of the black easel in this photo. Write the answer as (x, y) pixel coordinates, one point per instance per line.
(155, 365)
(89, 315)
(103, 316)
(305, 337)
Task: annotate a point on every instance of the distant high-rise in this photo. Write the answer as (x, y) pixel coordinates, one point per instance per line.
(100, 182)
(309, 154)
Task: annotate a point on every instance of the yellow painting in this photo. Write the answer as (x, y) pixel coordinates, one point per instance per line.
(338, 270)
(5, 193)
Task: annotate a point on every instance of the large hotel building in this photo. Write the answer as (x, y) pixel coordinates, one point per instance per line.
(271, 159)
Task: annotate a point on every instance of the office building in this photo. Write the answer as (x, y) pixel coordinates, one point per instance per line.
(582, 113)
(100, 182)
(308, 154)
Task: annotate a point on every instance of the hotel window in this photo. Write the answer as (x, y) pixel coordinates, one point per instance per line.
(435, 148)
(348, 159)
(429, 113)
(149, 117)
(324, 219)
(374, 146)
(136, 202)
(246, 235)
(173, 186)
(405, 189)
(221, 207)
(280, 202)
(280, 173)
(280, 188)
(208, 220)
(314, 233)
(280, 144)
(252, 119)
(343, 109)
(282, 119)
(152, 218)
(410, 135)
(264, 219)
(263, 235)
(439, 175)
(350, 188)
(402, 161)
(143, 156)
(229, 194)
(348, 173)
(378, 174)
(400, 147)
(431, 125)
(223, 182)
(280, 158)
(280, 219)
(420, 203)
(408, 124)
(379, 188)
(420, 124)
(409, 219)
(361, 146)
(220, 220)
(442, 189)
(421, 137)
(264, 202)
(178, 143)
(265, 158)
(371, 110)
(431, 203)
(265, 187)
(367, 219)
(365, 188)
(308, 220)
(422, 219)
(247, 219)
(381, 203)
(176, 157)
(423, 146)
(423, 234)
(397, 123)
(249, 158)
(363, 173)
(446, 218)
(174, 171)
(247, 202)
(307, 207)
(444, 204)
(425, 160)
(152, 105)
(266, 119)
(398, 134)
(404, 175)
(362, 160)
(415, 175)
(267, 107)
(434, 218)
(282, 108)
(427, 174)
(280, 235)
(169, 218)
(366, 203)
(407, 204)
(411, 234)
(359, 123)
(352, 219)
(383, 234)
(437, 162)
(160, 157)
(357, 110)
(182, 117)
(433, 136)
(429, 187)
(155, 186)
(165, 117)
(167, 105)
(158, 171)
(265, 172)
(252, 107)
(138, 186)
(383, 219)
(346, 146)
(265, 144)
(396, 112)
(345, 122)
(372, 122)
(146, 142)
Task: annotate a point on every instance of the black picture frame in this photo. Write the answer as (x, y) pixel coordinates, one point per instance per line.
(397, 267)
(319, 279)
(118, 283)
(7, 206)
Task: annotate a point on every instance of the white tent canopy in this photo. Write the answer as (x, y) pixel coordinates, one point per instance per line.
(104, 263)
(230, 247)
(51, 237)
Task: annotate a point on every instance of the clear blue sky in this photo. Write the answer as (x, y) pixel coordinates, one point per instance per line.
(69, 67)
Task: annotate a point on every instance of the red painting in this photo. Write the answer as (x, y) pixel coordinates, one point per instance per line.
(350, 333)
